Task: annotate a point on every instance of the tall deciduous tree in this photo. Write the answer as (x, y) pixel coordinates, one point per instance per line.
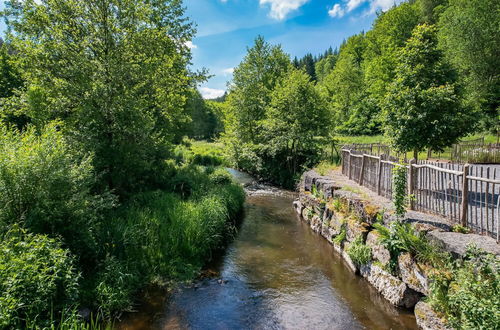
(470, 35)
(423, 108)
(250, 90)
(113, 70)
(296, 116)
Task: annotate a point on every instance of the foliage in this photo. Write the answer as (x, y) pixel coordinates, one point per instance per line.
(345, 91)
(38, 279)
(388, 35)
(468, 33)
(273, 117)
(341, 237)
(254, 79)
(115, 72)
(399, 190)
(359, 252)
(46, 188)
(205, 117)
(460, 229)
(423, 107)
(296, 115)
(159, 236)
(468, 293)
(401, 237)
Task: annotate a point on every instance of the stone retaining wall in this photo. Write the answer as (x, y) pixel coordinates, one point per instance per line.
(331, 210)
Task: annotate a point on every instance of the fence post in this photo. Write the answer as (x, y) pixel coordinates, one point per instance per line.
(379, 176)
(465, 196)
(411, 182)
(350, 165)
(362, 172)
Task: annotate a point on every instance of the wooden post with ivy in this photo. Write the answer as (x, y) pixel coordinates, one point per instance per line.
(411, 182)
(465, 196)
(379, 176)
(362, 172)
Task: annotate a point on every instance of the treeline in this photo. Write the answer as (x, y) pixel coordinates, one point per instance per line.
(426, 74)
(98, 197)
(366, 64)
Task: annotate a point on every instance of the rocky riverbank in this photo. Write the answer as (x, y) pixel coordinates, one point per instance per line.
(345, 217)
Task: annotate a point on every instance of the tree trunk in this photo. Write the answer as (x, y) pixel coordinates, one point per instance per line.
(415, 154)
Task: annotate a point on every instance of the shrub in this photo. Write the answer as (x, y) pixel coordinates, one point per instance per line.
(46, 189)
(38, 280)
(401, 237)
(359, 252)
(468, 293)
(220, 176)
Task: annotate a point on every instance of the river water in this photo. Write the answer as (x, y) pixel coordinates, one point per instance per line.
(276, 274)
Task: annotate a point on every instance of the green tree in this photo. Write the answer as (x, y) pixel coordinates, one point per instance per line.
(390, 32)
(10, 81)
(204, 121)
(424, 108)
(324, 66)
(344, 87)
(250, 90)
(470, 36)
(295, 118)
(114, 71)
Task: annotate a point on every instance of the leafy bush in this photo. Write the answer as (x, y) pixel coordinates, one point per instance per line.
(359, 252)
(45, 188)
(468, 292)
(220, 176)
(38, 280)
(401, 237)
(160, 236)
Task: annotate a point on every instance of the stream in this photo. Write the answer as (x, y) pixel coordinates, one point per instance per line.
(276, 274)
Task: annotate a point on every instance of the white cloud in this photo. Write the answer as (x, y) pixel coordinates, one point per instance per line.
(189, 44)
(382, 4)
(339, 10)
(228, 71)
(281, 8)
(336, 11)
(353, 4)
(211, 93)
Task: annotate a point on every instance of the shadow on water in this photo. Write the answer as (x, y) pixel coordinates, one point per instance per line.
(276, 274)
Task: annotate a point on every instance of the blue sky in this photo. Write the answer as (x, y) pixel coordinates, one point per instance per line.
(227, 27)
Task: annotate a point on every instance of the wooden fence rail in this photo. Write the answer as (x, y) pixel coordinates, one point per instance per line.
(436, 188)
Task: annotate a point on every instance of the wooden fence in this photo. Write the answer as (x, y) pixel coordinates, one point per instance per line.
(472, 151)
(437, 188)
(479, 153)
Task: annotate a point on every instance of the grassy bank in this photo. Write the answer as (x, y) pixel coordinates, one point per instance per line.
(64, 248)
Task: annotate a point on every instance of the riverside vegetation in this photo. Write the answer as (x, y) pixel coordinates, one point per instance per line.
(100, 196)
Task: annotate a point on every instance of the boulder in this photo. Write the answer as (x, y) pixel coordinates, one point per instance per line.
(379, 252)
(428, 319)
(391, 287)
(297, 205)
(355, 229)
(328, 232)
(307, 214)
(316, 223)
(456, 243)
(413, 273)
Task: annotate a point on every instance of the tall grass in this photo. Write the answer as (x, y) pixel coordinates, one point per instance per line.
(163, 236)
